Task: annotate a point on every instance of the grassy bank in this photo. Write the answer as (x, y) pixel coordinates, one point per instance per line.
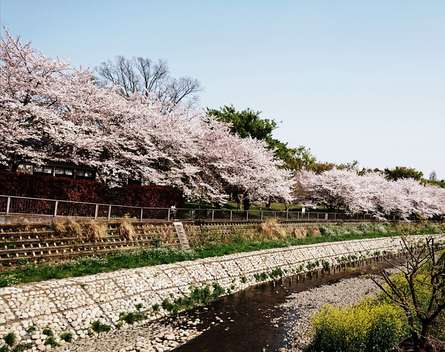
(329, 233)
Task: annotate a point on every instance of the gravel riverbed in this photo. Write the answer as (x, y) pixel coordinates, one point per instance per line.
(150, 337)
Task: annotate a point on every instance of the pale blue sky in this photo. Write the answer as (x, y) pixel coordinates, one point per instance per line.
(354, 79)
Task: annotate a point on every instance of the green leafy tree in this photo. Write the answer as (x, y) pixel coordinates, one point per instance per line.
(249, 123)
(437, 183)
(245, 123)
(400, 172)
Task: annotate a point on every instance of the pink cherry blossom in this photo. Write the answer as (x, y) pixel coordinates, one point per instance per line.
(52, 112)
(370, 193)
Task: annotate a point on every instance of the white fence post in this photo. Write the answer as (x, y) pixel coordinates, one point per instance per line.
(168, 214)
(96, 211)
(142, 214)
(109, 212)
(213, 214)
(55, 208)
(231, 215)
(8, 205)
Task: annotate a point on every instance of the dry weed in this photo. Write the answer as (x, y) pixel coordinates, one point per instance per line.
(271, 229)
(300, 232)
(314, 231)
(94, 230)
(67, 227)
(126, 230)
(58, 226)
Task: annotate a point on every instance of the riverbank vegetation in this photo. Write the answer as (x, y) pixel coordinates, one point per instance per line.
(408, 314)
(368, 326)
(270, 236)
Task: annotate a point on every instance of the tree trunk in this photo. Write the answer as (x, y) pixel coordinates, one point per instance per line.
(238, 201)
(13, 167)
(423, 339)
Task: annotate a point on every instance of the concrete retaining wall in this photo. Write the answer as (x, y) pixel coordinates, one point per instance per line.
(72, 304)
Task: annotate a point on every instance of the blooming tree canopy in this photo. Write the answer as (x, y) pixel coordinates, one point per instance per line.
(52, 112)
(371, 193)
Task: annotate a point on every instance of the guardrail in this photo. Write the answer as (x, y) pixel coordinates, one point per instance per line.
(15, 205)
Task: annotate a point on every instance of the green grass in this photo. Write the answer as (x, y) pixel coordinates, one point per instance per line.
(197, 297)
(149, 257)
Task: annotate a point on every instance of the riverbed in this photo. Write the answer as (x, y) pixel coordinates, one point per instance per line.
(274, 317)
(266, 318)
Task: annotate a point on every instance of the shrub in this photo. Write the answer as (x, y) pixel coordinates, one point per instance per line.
(8, 280)
(66, 336)
(31, 329)
(156, 307)
(326, 265)
(51, 341)
(325, 230)
(99, 327)
(48, 332)
(197, 296)
(218, 290)
(276, 273)
(21, 347)
(418, 290)
(10, 339)
(368, 326)
(132, 317)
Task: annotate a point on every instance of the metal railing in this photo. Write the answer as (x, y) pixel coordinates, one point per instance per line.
(15, 205)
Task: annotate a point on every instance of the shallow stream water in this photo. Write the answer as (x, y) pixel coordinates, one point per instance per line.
(252, 320)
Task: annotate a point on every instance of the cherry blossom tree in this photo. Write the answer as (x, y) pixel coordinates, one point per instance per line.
(48, 111)
(244, 164)
(371, 193)
(52, 112)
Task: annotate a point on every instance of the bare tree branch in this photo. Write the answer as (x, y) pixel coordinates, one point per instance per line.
(147, 77)
(425, 268)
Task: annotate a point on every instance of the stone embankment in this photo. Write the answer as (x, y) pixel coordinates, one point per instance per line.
(72, 305)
